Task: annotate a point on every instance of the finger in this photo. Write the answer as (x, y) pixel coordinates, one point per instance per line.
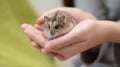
(28, 26)
(72, 50)
(39, 27)
(77, 34)
(69, 51)
(35, 35)
(60, 57)
(62, 41)
(36, 45)
(24, 26)
(50, 54)
(58, 43)
(40, 20)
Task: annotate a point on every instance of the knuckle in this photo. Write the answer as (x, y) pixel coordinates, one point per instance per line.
(52, 46)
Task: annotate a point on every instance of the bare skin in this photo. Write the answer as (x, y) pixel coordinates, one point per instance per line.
(88, 33)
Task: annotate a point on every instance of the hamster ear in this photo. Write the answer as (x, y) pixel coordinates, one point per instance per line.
(61, 18)
(46, 18)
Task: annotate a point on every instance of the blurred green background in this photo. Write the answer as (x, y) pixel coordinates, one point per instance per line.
(15, 48)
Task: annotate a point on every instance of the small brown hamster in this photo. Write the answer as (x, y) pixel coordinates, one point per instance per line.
(57, 25)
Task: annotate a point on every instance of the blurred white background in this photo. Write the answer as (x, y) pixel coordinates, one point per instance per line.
(45, 5)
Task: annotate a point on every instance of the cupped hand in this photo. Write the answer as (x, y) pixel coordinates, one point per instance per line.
(78, 40)
(84, 35)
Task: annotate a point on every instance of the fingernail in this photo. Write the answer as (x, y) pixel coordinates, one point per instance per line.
(40, 20)
(23, 26)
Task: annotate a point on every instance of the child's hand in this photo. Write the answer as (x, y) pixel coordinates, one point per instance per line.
(85, 35)
(81, 38)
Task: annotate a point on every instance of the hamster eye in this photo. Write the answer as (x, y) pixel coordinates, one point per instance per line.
(57, 26)
(49, 26)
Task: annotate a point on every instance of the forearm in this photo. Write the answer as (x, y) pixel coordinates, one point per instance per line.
(111, 31)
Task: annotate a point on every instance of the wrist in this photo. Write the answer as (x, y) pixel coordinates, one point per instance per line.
(110, 31)
(101, 31)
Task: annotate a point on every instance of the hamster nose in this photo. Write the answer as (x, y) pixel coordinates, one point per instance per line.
(52, 33)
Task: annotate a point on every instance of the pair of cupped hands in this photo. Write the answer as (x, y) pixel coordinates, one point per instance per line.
(85, 35)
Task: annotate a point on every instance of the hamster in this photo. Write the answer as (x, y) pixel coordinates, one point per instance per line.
(57, 25)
